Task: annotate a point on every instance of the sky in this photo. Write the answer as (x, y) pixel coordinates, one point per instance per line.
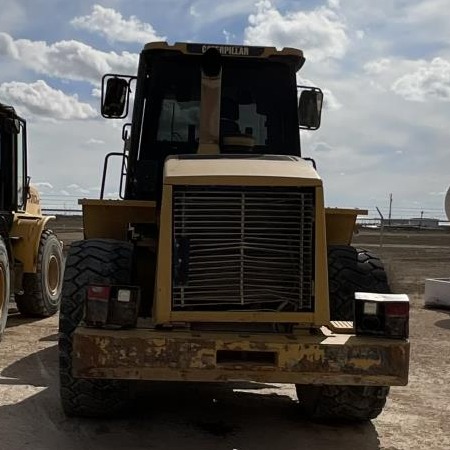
(384, 68)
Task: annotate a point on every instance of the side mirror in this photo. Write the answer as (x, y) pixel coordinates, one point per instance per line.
(115, 97)
(310, 108)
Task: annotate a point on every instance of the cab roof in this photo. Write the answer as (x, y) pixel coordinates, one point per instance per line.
(287, 54)
(7, 111)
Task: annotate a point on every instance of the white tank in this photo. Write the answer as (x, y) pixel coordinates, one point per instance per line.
(447, 203)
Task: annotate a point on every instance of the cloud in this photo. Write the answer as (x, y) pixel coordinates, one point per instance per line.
(43, 184)
(110, 24)
(41, 100)
(330, 102)
(229, 37)
(320, 32)
(77, 188)
(377, 66)
(204, 13)
(93, 141)
(430, 81)
(71, 60)
(13, 14)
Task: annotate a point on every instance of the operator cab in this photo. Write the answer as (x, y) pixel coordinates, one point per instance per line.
(254, 92)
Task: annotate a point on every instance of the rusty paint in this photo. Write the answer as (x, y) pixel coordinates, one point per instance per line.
(147, 354)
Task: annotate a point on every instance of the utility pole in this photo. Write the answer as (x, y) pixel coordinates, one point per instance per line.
(381, 229)
(390, 209)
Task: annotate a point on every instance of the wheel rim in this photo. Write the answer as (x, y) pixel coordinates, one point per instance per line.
(53, 275)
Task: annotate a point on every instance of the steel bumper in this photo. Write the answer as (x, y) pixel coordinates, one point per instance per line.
(145, 354)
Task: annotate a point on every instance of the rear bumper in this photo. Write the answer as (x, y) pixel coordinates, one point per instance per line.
(145, 354)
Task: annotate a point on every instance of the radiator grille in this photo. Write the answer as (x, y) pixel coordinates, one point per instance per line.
(243, 248)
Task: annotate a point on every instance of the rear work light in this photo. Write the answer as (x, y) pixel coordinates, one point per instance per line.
(385, 315)
(115, 306)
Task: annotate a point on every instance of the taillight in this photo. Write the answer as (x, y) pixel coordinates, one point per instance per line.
(384, 315)
(97, 305)
(116, 306)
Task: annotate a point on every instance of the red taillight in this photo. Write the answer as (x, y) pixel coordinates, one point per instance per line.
(97, 305)
(116, 306)
(99, 293)
(397, 309)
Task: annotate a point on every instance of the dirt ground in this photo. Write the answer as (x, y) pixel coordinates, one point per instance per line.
(179, 416)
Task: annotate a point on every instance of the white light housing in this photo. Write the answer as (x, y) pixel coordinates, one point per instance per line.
(123, 295)
(370, 308)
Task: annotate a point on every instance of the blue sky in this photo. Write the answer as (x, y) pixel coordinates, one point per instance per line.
(384, 67)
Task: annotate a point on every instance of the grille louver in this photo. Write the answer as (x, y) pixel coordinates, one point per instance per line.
(243, 248)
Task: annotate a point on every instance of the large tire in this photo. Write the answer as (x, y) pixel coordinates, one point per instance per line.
(91, 261)
(5, 293)
(42, 290)
(349, 271)
(352, 270)
(350, 403)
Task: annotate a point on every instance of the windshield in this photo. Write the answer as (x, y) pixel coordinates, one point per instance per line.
(257, 100)
(258, 114)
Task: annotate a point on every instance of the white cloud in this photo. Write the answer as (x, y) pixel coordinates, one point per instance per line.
(43, 184)
(72, 60)
(430, 81)
(330, 102)
(93, 141)
(64, 192)
(321, 32)
(228, 36)
(334, 4)
(77, 189)
(377, 66)
(97, 93)
(41, 100)
(110, 24)
(206, 12)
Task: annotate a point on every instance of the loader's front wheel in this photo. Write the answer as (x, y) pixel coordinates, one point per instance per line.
(42, 290)
(4, 286)
(102, 261)
(349, 403)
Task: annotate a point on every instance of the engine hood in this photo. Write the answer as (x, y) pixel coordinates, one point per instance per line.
(261, 170)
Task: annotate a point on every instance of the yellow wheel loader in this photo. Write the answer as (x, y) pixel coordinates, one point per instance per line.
(31, 259)
(219, 261)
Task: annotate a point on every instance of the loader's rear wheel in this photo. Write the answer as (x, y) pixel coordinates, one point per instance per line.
(4, 286)
(91, 261)
(349, 271)
(352, 270)
(350, 403)
(42, 290)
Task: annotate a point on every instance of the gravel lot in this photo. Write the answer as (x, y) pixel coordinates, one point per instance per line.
(180, 416)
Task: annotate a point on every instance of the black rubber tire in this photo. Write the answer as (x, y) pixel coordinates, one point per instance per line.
(351, 270)
(90, 261)
(5, 283)
(347, 403)
(42, 290)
